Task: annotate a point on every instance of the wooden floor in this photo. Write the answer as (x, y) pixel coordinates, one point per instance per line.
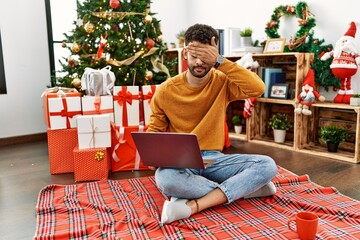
(24, 170)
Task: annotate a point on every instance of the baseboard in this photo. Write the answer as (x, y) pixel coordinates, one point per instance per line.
(23, 139)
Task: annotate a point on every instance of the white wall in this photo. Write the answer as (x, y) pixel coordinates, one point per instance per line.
(26, 63)
(25, 48)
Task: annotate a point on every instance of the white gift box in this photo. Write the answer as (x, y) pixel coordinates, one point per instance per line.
(126, 105)
(63, 112)
(148, 93)
(98, 105)
(94, 131)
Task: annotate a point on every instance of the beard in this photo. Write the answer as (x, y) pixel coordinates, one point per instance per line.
(199, 71)
(348, 47)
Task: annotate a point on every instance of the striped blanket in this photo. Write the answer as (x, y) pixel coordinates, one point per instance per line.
(131, 209)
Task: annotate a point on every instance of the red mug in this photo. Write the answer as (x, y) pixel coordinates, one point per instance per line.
(306, 225)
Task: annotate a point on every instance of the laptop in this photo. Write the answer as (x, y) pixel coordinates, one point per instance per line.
(170, 150)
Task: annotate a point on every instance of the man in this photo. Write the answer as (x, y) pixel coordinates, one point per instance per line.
(195, 102)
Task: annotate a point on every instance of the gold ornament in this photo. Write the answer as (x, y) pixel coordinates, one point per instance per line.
(89, 27)
(99, 156)
(76, 82)
(159, 38)
(149, 75)
(148, 19)
(75, 47)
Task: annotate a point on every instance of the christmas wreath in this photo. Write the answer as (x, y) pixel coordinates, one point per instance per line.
(306, 23)
(304, 41)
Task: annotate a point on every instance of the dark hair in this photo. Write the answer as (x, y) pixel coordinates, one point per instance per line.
(201, 33)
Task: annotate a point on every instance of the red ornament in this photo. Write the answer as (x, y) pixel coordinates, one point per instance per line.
(335, 89)
(150, 43)
(316, 42)
(114, 3)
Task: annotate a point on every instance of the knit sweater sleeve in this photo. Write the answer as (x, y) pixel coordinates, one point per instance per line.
(242, 83)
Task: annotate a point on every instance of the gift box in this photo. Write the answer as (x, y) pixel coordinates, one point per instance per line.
(98, 82)
(61, 106)
(91, 164)
(124, 155)
(61, 144)
(94, 131)
(126, 105)
(98, 105)
(148, 92)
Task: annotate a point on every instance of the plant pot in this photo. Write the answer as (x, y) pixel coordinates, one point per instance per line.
(355, 102)
(246, 42)
(279, 135)
(238, 129)
(332, 147)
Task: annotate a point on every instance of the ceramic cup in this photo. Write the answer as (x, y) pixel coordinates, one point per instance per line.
(306, 225)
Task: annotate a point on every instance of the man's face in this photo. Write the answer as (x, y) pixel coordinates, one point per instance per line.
(196, 66)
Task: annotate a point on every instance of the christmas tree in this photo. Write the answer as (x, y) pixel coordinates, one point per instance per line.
(124, 35)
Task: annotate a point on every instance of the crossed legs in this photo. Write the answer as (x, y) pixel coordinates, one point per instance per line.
(231, 177)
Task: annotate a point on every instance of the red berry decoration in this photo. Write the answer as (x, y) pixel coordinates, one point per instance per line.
(114, 4)
(150, 43)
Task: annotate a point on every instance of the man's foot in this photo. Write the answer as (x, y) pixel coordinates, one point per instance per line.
(268, 190)
(175, 209)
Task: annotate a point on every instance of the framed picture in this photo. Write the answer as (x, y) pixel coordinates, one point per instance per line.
(279, 90)
(274, 45)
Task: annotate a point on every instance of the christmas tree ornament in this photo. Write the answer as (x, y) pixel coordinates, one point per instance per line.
(85, 46)
(75, 47)
(159, 38)
(89, 27)
(79, 22)
(102, 45)
(149, 43)
(346, 59)
(149, 75)
(114, 4)
(63, 44)
(148, 19)
(114, 27)
(76, 82)
(72, 62)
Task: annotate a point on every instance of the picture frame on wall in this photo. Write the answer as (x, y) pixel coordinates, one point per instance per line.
(279, 90)
(275, 45)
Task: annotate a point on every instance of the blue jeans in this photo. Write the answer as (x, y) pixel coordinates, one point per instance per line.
(237, 175)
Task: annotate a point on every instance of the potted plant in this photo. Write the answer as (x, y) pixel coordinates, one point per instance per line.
(355, 100)
(181, 38)
(280, 123)
(333, 135)
(245, 37)
(237, 120)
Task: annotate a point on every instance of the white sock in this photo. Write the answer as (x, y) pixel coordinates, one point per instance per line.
(268, 190)
(175, 209)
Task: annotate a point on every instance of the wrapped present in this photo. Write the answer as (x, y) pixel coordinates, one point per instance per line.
(126, 105)
(94, 131)
(98, 82)
(61, 144)
(124, 155)
(61, 106)
(98, 105)
(91, 164)
(148, 92)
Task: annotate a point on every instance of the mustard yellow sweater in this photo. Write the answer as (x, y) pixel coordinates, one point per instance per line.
(178, 107)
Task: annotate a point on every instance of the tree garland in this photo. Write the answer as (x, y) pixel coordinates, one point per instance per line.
(306, 23)
(304, 41)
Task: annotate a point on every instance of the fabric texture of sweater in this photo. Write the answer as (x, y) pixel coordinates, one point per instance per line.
(179, 107)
